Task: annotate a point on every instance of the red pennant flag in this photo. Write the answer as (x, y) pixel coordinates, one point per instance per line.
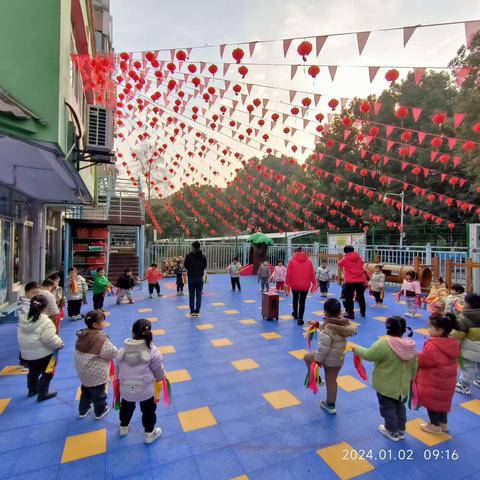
(416, 112)
(226, 66)
(286, 45)
(461, 75)
(411, 150)
(251, 47)
(363, 153)
(404, 165)
(362, 38)
(376, 107)
(372, 72)
(390, 144)
(451, 142)
(337, 162)
(433, 156)
(456, 161)
(385, 159)
(222, 49)
(421, 137)
(388, 130)
(405, 186)
(293, 71)
(407, 33)
(341, 147)
(332, 69)
(346, 134)
(462, 182)
(458, 119)
(471, 28)
(319, 43)
(292, 94)
(426, 171)
(418, 74)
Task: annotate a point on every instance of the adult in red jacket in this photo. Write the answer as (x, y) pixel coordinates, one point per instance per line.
(300, 278)
(354, 282)
(437, 372)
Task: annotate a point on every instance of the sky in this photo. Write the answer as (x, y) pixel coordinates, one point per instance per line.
(159, 24)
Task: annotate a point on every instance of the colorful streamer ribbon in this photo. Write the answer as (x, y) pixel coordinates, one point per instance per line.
(163, 385)
(310, 333)
(357, 362)
(312, 379)
(116, 393)
(52, 364)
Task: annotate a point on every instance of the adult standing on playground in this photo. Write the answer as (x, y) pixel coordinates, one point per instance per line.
(354, 282)
(195, 264)
(300, 278)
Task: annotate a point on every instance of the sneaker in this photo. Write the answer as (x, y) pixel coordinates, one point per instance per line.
(118, 302)
(328, 408)
(401, 435)
(444, 427)
(152, 436)
(83, 415)
(321, 382)
(32, 394)
(131, 302)
(103, 414)
(390, 435)
(460, 388)
(48, 396)
(159, 295)
(124, 430)
(350, 316)
(150, 296)
(300, 321)
(430, 428)
(475, 382)
(409, 314)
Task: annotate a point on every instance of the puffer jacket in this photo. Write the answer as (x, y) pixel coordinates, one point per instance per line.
(332, 341)
(195, 263)
(323, 274)
(93, 353)
(437, 373)
(377, 281)
(77, 293)
(138, 367)
(469, 334)
(300, 273)
(352, 265)
(452, 301)
(37, 339)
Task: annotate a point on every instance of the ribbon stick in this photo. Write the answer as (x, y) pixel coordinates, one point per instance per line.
(163, 385)
(116, 393)
(52, 364)
(312, 380)
(310, 332)
(357, 362)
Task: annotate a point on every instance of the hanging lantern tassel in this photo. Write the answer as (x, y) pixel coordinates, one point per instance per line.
(116, 393)
(358, 364)
(163, 385)
(52, 364)
(312, 379)
(310, 333)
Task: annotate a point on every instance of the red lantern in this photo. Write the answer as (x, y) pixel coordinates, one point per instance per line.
(346, 121)
(257, 102)
(150, 56)
(171, 84)
(445, 158)
(261, 122)
(171, 67)
(242, 70)
(250, 108)
(306, 102)
(206, 97)
(392, 75)
(431, 197)
(124, 56)
(275, 117)
(304, 49)
(401, 112)
(329, 143)
(211, 90)
(213, 69)
(360, 137)
(453, 181)
(365, 107)
(476, 128)
(375, 158)
(374, 131)
(196, 81)
(237, 88)
(137, 64)
(313, 71)
(265, 137)
(286, 130)
(295, 110)
(439, 118)
(363, 172)
(406, 136)
(333, 103)
(403, 151)
(436, 142)
(192, 68)
(181, 56)
(468, 146)
(319, 117)
(417, 171)
(237, 54)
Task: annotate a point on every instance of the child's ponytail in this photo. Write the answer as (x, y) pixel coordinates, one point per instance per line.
(446, 322)
(38, 304)
(397, 326)
(142, 330)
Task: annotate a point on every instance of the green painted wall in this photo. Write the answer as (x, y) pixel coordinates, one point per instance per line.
(29, 52)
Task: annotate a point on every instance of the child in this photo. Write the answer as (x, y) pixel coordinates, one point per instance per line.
(125, 284)
(395, 366)
(412, 290)
(180, 274)
(330, 353)
(76, 290)
(469, 335)
(139, 366)
(234, 270)
(38, 340)
(323, 277)
(93, 354)
(264, 275)
(153, 276)
(23, 307)
(100, 287)
(279, 275)
(456, 300)
(377, 285)
(58, 292)
(437, 296)
(437, 372)
(47, 289)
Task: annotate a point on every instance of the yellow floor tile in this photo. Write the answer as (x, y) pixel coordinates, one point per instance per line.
(205, 326)
(320, 313)
(344, 467)
(429, 439)
(84, 445)
(144, 310)
(152, 319)
(178, 376)
(402, 302)
(249, 301)
(218, 304)
(285, 317)
(183, 307)
(166, 349)
(298, 353)
(270, 335)
(231, 312)
(381, 318)
(158, 331)
(349, 383)
(196, 419)
(355, 324)
(3, 404)
(245, 364)
(241, 477)
(248, 321)
(423, 331)
(221, 342)
(12, 370)
(107, 314)
(417, 315)
(281, 399)
(472, 405)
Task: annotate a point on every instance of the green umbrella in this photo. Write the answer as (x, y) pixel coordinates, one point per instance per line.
(260, 239)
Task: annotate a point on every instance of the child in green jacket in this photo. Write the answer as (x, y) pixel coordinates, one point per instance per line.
(395, 365)
(100, 287)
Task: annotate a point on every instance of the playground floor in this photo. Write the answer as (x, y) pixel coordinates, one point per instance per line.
(239, 410)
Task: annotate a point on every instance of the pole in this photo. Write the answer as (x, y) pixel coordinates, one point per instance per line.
(401, 219)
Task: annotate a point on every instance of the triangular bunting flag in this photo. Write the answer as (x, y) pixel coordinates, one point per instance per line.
(471, 28)
(292, 94)
(363, 153)
(202, 66)
(337, 162)
(388, 130)
(376, 107)
(341, 147)
(251, 47)
(222, 49)
(461, 75)
(316, 98)
(305, 123)
(458, 119)
(249, 88)
(390, 144)
(244, 97)
(407, 33)
(421, 137)
(286, 46)
(385, 159)
(451, 142)
(226, 66)
(411, 150)
(456, 161)
(404, 165)
(372, 72)
(319, 43)
(346, 134)
(462, 182)
(293, 71)
(362, 38)
(172, 54)
(416, 112)
(332, 69)
(418, 74)
(343, 102)
(426, 171)
(433, 155)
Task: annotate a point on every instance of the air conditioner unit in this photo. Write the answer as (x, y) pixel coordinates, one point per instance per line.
(99, 129)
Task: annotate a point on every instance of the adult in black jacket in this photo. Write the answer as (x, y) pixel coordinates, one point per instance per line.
(195, 263)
